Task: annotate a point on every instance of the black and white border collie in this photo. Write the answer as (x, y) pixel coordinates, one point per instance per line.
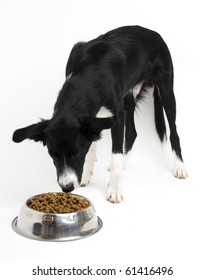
(104, 79)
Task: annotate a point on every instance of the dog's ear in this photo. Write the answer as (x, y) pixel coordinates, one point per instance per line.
(34, 132)
(93, 126)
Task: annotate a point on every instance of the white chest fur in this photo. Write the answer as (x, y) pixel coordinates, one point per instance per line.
(104, 113)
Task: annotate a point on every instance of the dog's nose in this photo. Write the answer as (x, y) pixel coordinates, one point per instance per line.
(68, 188)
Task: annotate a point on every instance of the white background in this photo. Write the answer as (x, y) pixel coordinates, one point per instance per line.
(161, 221)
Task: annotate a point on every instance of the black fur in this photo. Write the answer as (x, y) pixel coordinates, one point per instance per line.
(103, 72)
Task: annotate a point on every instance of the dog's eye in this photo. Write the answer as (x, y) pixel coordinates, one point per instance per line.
(73, 155)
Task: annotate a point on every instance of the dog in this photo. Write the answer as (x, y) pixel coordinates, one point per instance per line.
(105, 78)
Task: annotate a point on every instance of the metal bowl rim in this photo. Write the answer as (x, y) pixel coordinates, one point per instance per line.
(58, 214)
(72, 238)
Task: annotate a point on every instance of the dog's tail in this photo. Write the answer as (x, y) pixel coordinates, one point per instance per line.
(159, 115)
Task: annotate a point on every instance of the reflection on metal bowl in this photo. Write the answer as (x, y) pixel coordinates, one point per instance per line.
(56, 227)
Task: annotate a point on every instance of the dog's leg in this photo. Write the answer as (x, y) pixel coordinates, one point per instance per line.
(88, 167)
(114, 193)
(169, 103)
(130, 131)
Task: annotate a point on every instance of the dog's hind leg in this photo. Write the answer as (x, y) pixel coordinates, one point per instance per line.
(88, 167)
(130, 131)
(114, 193)
(159, 115)
(169, 104)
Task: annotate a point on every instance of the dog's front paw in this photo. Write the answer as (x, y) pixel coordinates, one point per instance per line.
(87, 175)
(88, 171)
(114, 194)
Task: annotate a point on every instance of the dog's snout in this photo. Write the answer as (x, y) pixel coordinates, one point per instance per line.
(68, 181)
(68, 188)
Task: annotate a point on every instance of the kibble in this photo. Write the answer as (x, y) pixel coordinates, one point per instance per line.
(58, 203)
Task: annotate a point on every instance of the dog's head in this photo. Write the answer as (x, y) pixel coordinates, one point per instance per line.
(67, 142)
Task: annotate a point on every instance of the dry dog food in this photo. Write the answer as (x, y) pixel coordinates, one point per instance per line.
(58, 203)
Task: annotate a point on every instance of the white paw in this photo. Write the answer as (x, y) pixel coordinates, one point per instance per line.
(180, 173)
(88, 167)
(87, 175)
(114, 195)
(179, 168)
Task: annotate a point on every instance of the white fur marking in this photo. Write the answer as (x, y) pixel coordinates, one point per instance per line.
(104, 113)
(136, 90)
(68, 177)
(69, 76)
(114, 193)
(88, 167)
(125, 159)
(179, 168)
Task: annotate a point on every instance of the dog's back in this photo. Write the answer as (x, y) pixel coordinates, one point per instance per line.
(139, 51)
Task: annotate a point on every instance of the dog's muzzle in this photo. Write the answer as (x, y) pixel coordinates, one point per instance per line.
(68, 188)
(68, 181)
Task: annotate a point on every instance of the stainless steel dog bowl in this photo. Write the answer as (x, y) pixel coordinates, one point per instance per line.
(56, 227)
